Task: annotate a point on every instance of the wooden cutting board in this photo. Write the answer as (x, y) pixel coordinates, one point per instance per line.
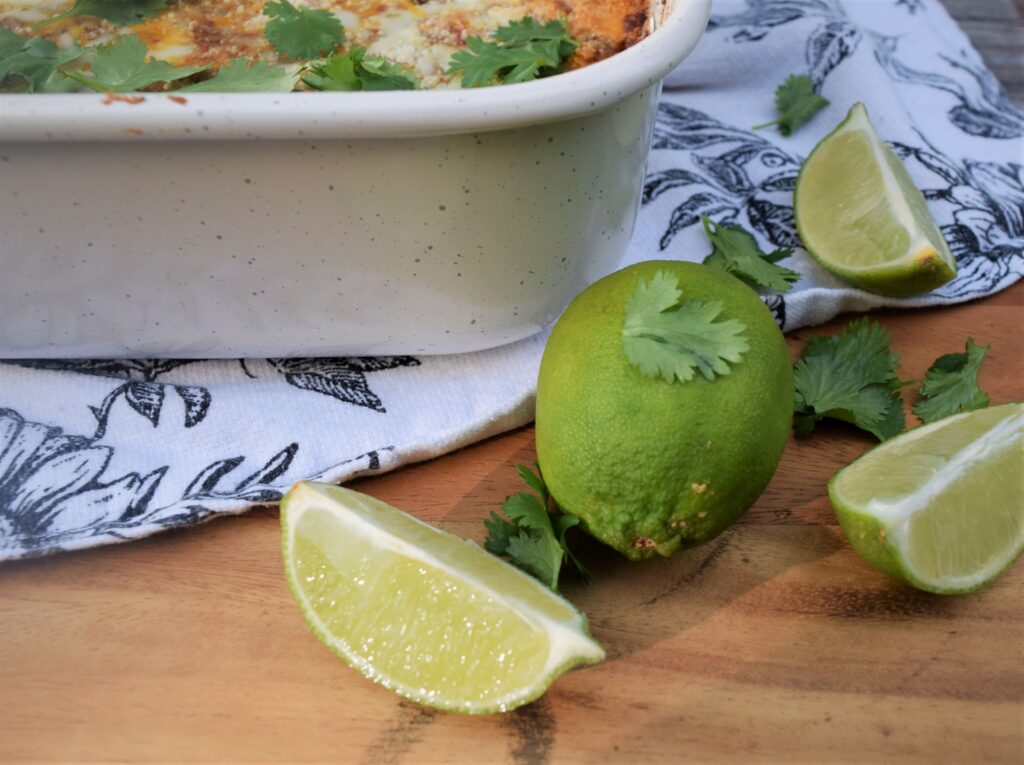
(772, 643)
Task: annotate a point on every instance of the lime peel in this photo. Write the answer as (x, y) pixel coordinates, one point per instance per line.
(623, 451)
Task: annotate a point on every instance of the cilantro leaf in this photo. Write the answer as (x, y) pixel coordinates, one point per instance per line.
(33, 64)
(302, 33)
(499, 532)
(735, 251)
(562, 524)
(526, 30)
(485, 62)
(378, 73)
(336, 73)
(523, 50)
(528, 535)
(850, 377)
(951, 384)
(237, 76)
(526, 511)
(10, 45)
(797, 102)
(122, 65)
(356, 71)
(538, 554)
(119, 12)
(535, 482)
(670, 338)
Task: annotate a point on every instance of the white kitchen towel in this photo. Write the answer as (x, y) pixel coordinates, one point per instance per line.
(93, 452)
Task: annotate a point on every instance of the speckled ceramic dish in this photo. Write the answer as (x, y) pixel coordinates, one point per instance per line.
(320, 223)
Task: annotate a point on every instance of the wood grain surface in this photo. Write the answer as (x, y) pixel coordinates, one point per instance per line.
(774, 642)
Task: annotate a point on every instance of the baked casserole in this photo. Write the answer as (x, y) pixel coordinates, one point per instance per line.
(419, 35)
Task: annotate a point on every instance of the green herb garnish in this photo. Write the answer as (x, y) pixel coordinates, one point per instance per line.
(119, 12)
(237, 76)
(522, 50)
(32, 65)
(668, 337)
(796, 102)
(123, 65)
(528, 534)
(735, 251)
(354, 70)
(850, 377)
(302, 33)
(951, 384)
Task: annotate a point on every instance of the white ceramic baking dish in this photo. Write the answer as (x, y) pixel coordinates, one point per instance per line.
(322, 224)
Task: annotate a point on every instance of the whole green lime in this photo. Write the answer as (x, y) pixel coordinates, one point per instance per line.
(649, 465)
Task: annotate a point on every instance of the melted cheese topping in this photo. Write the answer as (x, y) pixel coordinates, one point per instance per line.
(421, 34)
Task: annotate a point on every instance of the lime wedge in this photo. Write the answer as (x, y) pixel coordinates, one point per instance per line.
(426, 614)
(942, 506)
(861, 217)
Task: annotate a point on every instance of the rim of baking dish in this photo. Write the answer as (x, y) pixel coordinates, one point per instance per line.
(206, 116)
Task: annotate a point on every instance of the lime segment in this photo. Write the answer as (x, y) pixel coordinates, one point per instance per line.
(940, 507)
(861, 216)
(429, 615)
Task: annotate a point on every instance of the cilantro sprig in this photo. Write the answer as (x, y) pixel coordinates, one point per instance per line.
(354, 71)
(796, 102)
(532, 539)
(521, 50)
(302, 33)
(124, 65)
(671, 338)
(238, 76)
(120, 12)
(951, 384)
(735, 251)
(33, 65)
(850, 377)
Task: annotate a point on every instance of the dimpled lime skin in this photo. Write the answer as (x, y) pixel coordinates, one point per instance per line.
(651, 466)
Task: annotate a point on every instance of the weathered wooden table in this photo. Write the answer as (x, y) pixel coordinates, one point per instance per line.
(773, 643)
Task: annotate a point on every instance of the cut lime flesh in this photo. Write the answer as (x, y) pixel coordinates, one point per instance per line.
(426, 614)
(861, 216)
(942, 506)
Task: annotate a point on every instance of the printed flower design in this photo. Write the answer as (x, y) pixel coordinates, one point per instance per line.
(217, 483)
(982, 110)
(141, 391)
(761, 16)
(985, 202)
(827, 46)
(50, 485)
(341, 378)
(744, 174)
(53, 490)
(911, 6)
